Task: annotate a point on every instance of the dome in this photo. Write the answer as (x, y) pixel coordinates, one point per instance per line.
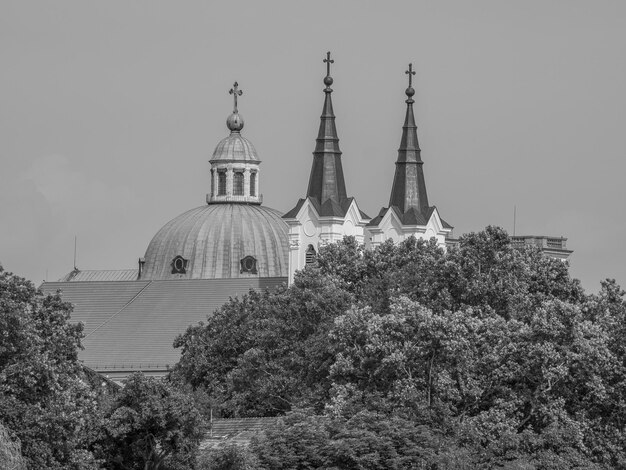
(235, 148)
(219, 241)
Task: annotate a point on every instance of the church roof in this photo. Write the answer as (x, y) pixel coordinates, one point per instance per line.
(235, 148)
(101, 275)
(131, 325)
(214, 239)
(237, 431)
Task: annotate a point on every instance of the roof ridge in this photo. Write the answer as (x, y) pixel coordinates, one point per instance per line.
(120, 310)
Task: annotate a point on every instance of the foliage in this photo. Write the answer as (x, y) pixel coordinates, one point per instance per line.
(43, 397)
(150, 425)
(367, 440)
(486, 355)
(267, 352)
(10, 452)
(228, 457)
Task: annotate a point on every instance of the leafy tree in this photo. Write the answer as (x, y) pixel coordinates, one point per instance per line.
(228, 457)
(44, 399)
(487, 355)
(10, 452)
(508, 389)
(367, 440)
(267, 352)
(150, 425)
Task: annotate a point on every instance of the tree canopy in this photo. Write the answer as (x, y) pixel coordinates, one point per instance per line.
(150, 425)
(485, 354)
(44, 400)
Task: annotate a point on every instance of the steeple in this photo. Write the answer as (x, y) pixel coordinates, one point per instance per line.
(409, 187)
(326, 180)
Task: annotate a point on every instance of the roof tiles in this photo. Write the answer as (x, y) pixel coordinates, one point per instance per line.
(131, 325)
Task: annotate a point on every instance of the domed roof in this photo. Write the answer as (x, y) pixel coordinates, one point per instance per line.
(235, 147)
(219, 241)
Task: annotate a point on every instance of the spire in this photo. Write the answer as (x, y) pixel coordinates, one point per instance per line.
(409, 187)
(326, 180)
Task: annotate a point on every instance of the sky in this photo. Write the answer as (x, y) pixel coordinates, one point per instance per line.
(110, 111)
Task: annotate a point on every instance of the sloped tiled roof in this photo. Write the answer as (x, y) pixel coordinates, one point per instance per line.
(101, 275)
(237, 431)
(131, 325)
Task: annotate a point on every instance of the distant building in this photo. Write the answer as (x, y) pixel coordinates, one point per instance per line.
(233, 243)
(554, 247)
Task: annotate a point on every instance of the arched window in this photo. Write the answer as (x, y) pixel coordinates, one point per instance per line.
(310, 255)
(221, 182)
(253, 183)
(238, 184)
(212, 183)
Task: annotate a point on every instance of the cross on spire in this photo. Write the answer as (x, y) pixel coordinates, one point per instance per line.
(328, 61)
(235, 91)
(410, 73)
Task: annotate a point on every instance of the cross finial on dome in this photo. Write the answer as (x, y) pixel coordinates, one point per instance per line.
(410, 91)
(235, 121)
(235, 91)
(328, 80)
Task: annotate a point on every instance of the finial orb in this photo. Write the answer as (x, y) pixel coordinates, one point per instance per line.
(410, 91)
(235, 122)
(328, 80)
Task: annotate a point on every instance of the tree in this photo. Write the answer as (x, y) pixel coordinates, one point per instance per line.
(228, 457)
(268, 352)
(367, 440)
(489, 351)
(44, 398)
(533, 388)
(10, 452)
(150, 425)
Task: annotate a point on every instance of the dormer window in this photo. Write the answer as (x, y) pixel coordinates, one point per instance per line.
(238, 183)
(179, 265)
(248, 265)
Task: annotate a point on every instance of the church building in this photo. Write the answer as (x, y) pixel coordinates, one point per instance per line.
(232, 244)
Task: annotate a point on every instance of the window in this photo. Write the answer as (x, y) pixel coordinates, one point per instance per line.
(179, 265)
(238, 184)
(253, 184)
(248, 265)
(212, 183)
(310, 255)
(221, 182)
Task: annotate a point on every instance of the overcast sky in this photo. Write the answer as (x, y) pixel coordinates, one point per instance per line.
(109, 112)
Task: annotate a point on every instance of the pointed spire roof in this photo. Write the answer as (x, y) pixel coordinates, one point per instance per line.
(409, 187)
(326, 181)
